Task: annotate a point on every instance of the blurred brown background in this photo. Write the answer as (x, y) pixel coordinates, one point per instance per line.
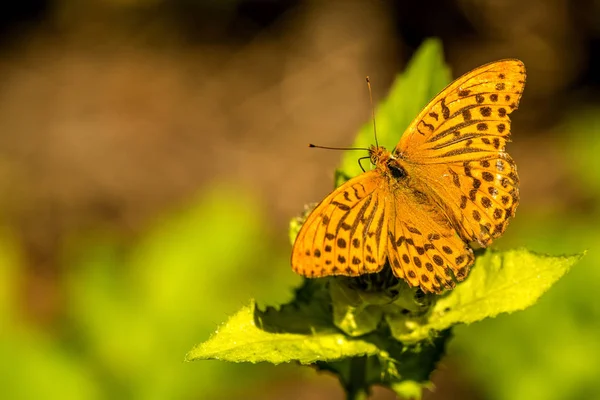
(115, 111)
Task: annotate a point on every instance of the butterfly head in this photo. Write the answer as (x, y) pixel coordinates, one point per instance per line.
(379, 155)
(385, 161)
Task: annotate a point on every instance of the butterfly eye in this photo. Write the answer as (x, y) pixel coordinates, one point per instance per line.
(396, 170)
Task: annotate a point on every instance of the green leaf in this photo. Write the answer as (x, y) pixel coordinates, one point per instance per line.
(307, 313)
(302, 331)
(425, 76)
(500, 282)
(241, 340)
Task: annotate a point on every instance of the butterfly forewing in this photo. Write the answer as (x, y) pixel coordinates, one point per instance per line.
(342, 235)
(469, 118)
(458, 147)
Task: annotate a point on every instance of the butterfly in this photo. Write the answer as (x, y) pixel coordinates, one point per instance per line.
(448, 183)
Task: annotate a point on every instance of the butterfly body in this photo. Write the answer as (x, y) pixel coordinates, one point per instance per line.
(447, 183)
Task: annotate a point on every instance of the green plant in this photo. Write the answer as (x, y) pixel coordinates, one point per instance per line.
(375, 329)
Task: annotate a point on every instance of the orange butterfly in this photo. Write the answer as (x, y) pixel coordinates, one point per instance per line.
(447, 183)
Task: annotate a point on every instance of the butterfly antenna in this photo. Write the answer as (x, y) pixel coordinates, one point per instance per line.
(336, 148)
(372, 110)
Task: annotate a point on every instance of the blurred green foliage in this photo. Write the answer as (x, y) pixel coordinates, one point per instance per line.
(132, 312)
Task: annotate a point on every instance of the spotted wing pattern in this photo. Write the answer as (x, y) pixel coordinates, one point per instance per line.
(345, 233)
(457, 149)
(423, 249)
(453, 183)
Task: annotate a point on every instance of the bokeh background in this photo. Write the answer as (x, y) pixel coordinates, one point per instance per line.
(153, 152)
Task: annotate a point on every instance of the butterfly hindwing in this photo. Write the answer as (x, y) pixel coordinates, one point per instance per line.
(426, 251)
(488, 190)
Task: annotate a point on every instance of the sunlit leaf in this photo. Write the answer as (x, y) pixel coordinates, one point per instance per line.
(241, 340)
(500, 282)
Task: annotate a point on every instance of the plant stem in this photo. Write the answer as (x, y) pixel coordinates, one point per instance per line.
(357, 388)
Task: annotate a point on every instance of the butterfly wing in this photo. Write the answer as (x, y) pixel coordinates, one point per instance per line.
(345, 233)
(423, 248)
(456, 149)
